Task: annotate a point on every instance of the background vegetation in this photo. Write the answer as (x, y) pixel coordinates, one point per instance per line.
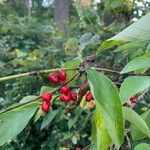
(32, 39)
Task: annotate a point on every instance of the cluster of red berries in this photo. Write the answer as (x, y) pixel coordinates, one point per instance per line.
(58, 78)
(66, 94)
(133, 99)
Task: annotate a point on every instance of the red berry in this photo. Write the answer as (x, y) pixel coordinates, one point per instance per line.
(88, 96)
(73, 96)
(134, 101)
(53, 77)
(46, 97)
(65, 97)
(45, 106)
(62, 75)
(65, 89)
(78, 148)
(133, 97)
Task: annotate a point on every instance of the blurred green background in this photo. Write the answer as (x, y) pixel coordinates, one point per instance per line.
(44, 34)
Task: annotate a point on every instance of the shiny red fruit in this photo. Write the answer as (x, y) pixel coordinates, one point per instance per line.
(45, 106)
(73, 96)
(64, 89)
(46, 97)
(53, 78)
(88, 96)
(65, 97)
(62, 75)
(133, 99)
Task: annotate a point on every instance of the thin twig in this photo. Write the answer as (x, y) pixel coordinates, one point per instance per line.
(40, 72)
(128, 140)
(22, 104)
(106, 70)
(18, 105)
(33, 73)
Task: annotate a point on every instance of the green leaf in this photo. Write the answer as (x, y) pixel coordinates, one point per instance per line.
(87, 39)
(108, 103)
(136, 84)
(135, 133)
(72, 64)
(28, 98)
(131, 46)
(72, 121)
(136, 120)
(14, 121)
(100, 135)
(45, 89)
(71, 46)
(38, 114)
(108, 44)
(139, 30)
(48, 118)
(136, 64)
(142, 146)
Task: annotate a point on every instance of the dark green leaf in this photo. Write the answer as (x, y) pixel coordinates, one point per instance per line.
(48, 118)
(38, 114)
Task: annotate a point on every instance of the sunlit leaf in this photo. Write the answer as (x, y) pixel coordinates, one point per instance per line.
(108, 103)
(133, 85)
(100, 135)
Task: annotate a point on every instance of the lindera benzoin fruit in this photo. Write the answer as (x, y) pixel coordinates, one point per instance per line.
(66, 93)
(65, 89)
(45, 106)
(53, 78)
(133, 99)
(46, 96)
(88, 96)
(62, 75)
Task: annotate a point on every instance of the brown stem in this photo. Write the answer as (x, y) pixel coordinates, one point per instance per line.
(106, 70)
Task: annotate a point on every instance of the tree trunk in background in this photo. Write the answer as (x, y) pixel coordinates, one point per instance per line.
(61, 13)
(29, 6)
